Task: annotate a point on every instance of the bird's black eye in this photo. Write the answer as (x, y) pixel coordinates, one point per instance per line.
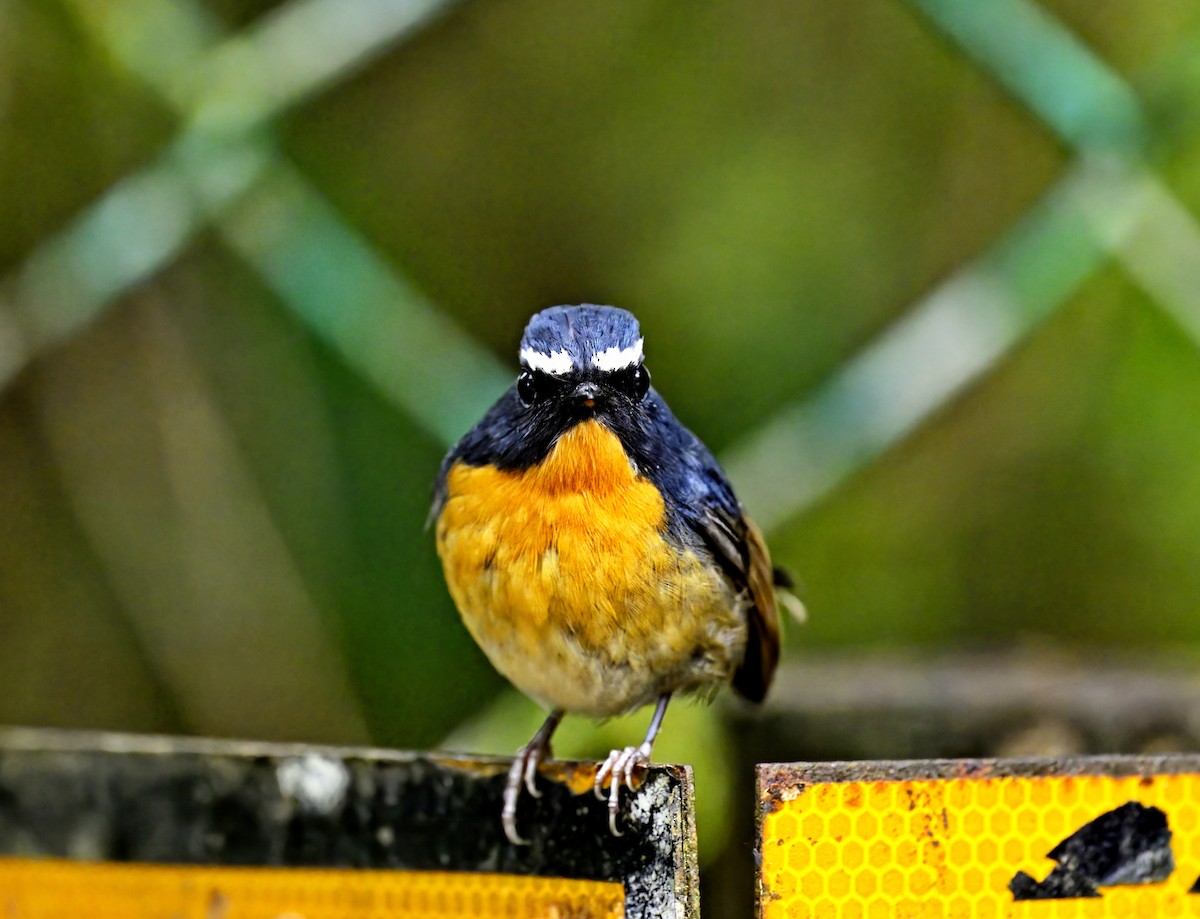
(641, 381)
(633, 381)
(527, 387)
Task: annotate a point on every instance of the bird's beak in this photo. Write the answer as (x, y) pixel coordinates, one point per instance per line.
(586, 394)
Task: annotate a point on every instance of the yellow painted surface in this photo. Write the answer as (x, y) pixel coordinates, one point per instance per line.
(53, 889)
(946, 849)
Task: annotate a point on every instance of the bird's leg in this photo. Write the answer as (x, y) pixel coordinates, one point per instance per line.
(621, 765)
(524, 772)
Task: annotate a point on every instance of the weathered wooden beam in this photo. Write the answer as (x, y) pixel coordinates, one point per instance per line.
(1018, 703)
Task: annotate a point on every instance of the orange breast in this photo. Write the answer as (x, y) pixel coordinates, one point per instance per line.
(563, 574)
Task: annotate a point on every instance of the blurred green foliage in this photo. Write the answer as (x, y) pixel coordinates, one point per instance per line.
(257, 270)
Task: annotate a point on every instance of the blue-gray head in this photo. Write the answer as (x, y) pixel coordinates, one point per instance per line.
(566, 340)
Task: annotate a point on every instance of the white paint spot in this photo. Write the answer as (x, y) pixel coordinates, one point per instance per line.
(317, 783)
(557, 363)
(619, 358)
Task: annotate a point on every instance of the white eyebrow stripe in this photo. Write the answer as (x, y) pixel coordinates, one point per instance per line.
(618, 358)
(557, 363)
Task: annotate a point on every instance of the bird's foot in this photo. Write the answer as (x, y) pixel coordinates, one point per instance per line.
(621, 766)
(523, 774)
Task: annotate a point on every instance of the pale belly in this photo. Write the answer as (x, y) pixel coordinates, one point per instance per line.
(576, 596)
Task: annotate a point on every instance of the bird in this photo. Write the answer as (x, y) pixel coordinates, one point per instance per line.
(596, 550)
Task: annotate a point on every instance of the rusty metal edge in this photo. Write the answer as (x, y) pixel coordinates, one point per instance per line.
(31, 739)
(687, 884)
(761, 891)
(1116, 765)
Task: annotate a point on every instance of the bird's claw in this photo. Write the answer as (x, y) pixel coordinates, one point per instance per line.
(522, 773)
(531, 768)
(621, 766)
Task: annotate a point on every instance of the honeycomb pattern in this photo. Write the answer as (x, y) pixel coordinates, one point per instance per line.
(947, 848)
(51, 889)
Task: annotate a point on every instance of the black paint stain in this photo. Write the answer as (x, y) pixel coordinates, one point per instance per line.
(1060, 884)
(1128, 845)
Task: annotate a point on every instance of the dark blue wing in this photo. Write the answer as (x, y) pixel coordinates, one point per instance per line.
(703, 510)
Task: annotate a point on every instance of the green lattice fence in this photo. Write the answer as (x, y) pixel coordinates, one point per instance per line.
(927, 274)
